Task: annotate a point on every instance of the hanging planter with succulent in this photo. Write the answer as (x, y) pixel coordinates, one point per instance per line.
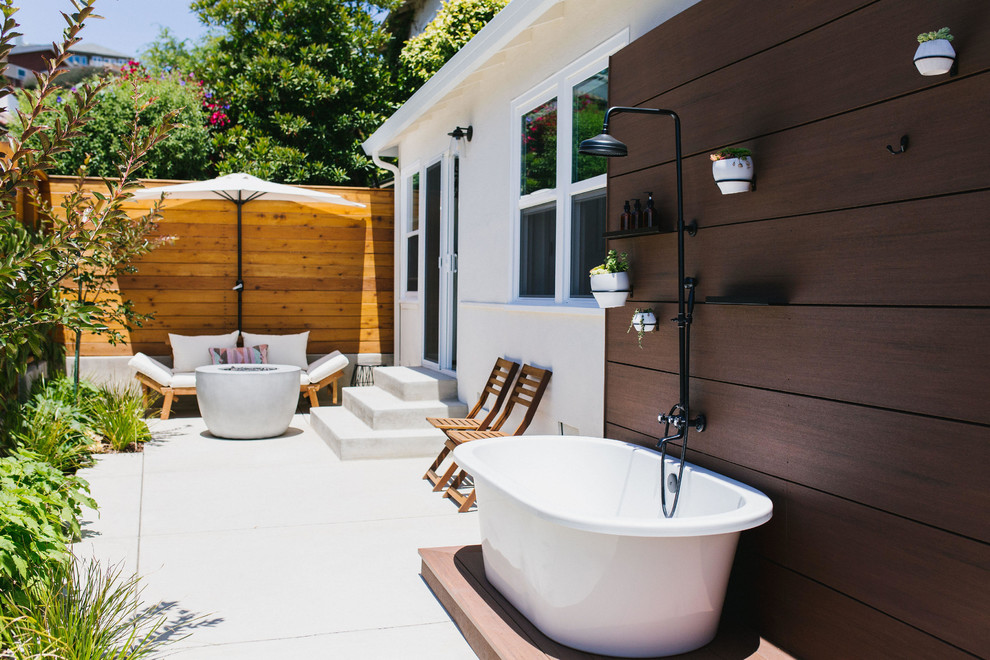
(733, 170)
(643, 320)
(610, 280)
(935, 54)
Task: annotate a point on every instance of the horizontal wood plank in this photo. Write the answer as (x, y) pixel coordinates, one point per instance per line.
(799, 613)
(883, 255)
(675, 43)
(930, 361)
(881, 458)
(812, 76)
(837, 163)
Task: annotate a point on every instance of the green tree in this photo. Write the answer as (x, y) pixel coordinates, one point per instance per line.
(454, 25)
(185, 154)
(305, 81)
(35, 260)
(168, 53)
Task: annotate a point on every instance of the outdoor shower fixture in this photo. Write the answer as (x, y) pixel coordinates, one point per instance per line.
(679, 415)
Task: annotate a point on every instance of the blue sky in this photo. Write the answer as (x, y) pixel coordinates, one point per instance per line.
(128, 25)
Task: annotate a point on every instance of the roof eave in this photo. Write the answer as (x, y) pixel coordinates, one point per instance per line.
(506, 25)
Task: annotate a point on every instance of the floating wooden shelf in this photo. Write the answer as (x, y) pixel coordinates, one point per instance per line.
(495, 629)
(742, 300)
(626, 233)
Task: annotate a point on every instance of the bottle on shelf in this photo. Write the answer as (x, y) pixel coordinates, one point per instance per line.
(637, 214)
(650, 216)
(625, 220)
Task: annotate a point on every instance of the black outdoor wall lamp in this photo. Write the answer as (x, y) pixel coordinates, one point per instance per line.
(680, 414)
(459, 133)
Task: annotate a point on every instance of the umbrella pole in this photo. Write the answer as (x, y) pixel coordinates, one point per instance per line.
(239, 286)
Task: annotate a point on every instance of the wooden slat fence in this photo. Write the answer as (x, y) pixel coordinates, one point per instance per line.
(860, 406)
(316, 267)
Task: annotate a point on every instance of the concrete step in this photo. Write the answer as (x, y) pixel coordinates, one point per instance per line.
(351, 439)
(382, 410)
(415, 383)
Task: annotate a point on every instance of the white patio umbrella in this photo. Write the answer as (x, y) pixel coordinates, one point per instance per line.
(240, 189)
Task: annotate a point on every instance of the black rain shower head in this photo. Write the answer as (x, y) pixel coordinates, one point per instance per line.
(603, 145)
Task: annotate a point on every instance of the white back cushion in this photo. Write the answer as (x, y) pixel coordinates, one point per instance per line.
(282, 349)
(189, 352)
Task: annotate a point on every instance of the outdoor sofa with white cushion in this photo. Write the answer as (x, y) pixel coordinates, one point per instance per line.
(189, 352)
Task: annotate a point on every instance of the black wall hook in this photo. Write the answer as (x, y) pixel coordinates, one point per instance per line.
(904, 146)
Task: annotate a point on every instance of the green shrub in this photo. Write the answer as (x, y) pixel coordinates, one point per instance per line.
(39, 517)
(119, 418)
(82, 611)
(55, 424)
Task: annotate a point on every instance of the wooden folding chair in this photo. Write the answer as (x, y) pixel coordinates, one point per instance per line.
(498, 385)
(527, 392)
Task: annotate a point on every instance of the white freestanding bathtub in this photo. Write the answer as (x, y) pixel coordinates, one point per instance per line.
(574, 537)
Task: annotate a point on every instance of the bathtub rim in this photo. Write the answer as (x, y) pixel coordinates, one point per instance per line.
(757, 509)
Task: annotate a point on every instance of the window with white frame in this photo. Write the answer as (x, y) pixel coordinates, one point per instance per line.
(561, 193)
(411, 234)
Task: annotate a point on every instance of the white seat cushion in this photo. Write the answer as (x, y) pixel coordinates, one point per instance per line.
(185, 379)
(151, 368)
(326, 365)
(304, 378)
(282, 349)
(189, 352)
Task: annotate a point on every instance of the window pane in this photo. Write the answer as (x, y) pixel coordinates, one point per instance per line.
(539, 148)
(590, 104)
(413, 203)
(587, 243)
(412, 263)
(537, 254)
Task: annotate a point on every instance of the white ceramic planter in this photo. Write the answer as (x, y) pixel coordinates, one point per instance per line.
(733, 175)
(610, 282)
(607, 299)
(644, 321)
(935, 57)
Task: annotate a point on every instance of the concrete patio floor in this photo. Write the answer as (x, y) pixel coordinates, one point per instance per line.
(276, 548)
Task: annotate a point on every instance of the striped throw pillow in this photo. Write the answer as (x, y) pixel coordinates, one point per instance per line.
(246, 355)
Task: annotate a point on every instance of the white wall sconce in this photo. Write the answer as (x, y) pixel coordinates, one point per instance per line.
(935, 54)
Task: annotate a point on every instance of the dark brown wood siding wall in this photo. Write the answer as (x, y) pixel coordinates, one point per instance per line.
(862, 406)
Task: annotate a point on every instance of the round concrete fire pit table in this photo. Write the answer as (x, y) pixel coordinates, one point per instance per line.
(247, 401)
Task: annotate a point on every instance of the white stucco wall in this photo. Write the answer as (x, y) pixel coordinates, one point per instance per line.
(568, 339)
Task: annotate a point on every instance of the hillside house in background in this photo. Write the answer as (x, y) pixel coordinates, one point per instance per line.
(32, 56)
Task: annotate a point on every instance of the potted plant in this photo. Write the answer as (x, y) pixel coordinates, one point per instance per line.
(610, 280)
(643, 320)
(935, 55)
(733, 169)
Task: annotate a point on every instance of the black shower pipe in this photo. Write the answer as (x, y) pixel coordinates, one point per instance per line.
(679, 415)
(684, 315)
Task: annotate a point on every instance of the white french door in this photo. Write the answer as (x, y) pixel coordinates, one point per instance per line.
(440, 191)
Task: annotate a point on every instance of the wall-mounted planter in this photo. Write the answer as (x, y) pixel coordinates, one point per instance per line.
(610, 289)
(733, 170)
(935, 54)
(610, 281)
(607, 299)
(642, 321)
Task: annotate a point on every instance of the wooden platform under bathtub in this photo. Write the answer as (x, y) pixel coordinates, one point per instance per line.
(495, 629)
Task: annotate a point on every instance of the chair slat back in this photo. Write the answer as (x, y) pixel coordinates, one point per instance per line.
(527, 392)
(498, 385)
